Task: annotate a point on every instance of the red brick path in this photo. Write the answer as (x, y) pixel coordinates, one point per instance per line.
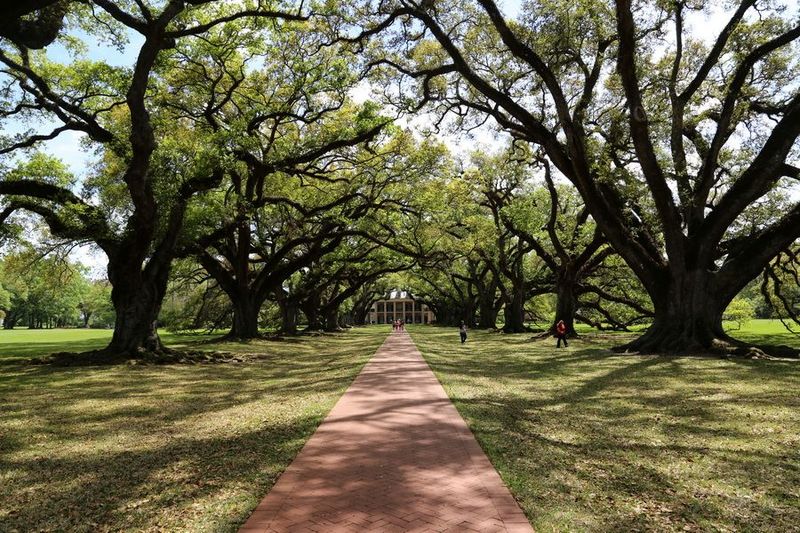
(392, 455)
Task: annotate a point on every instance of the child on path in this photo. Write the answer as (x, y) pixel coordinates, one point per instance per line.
(462, 330)
(561, 333)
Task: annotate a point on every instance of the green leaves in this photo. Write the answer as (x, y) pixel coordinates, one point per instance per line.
(42, 291)
(39, 166)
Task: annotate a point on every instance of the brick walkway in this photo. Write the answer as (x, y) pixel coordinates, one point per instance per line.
(392, 455)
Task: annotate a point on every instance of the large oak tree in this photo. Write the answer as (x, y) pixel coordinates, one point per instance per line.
(117, 109)
(669, 139)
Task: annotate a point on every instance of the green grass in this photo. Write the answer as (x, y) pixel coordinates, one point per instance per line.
(592, 441)
(167, 448)
(16, 345)
(764, 331)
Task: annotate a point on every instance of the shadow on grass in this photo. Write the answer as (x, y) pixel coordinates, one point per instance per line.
(173, 447)
(128, 488)
(591, 440)
(17, 346)
(45, 342)
(16, 353)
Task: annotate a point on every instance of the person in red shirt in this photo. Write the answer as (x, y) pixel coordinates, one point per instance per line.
(561, 333)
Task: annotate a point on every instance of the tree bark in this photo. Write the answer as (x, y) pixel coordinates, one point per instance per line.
(311, 309)
(487, 311)
(688, 317)
(446, 315)
(314, 322)
(566, 303)
(363, 304)
(245, 317)
(288, 316)
(33, 23)
(10, 320)
(515, 313)
(137, 304)
(468, 312)
(137, 294)
(332, 320)
(360, 314)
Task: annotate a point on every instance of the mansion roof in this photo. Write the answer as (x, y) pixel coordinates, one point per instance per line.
(398, 295)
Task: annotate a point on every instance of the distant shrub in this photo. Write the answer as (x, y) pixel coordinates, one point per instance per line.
(740, 311)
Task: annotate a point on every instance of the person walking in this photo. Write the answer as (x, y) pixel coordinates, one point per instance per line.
(462, 330)
(561, 333)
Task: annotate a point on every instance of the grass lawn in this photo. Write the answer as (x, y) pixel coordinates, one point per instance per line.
(763, 331)
(159, 448)
(592, 441)
(17, 345)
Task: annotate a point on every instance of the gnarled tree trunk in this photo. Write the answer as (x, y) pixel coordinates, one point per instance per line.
(566, 302)
(487, 312)
(332, 319)
(688, 317)
(10, 320)
(245, 317)
(360, 315)
(468, 313)
(137, 299)
(446, 314)
(288, 315)
(311, 309)
(515, 311)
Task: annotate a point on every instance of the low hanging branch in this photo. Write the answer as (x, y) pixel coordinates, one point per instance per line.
(780, 286)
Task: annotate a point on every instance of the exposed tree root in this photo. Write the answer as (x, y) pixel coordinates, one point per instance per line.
(524, 329)
(163, 357)
(719, 346)
(234, 337)
(764, 351)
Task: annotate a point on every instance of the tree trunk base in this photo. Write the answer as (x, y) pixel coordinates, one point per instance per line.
(661, 341)
(106, 356)
(241, 337)
(516, 329)
(164, 357)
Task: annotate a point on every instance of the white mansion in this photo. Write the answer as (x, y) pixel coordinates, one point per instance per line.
(400, 305)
